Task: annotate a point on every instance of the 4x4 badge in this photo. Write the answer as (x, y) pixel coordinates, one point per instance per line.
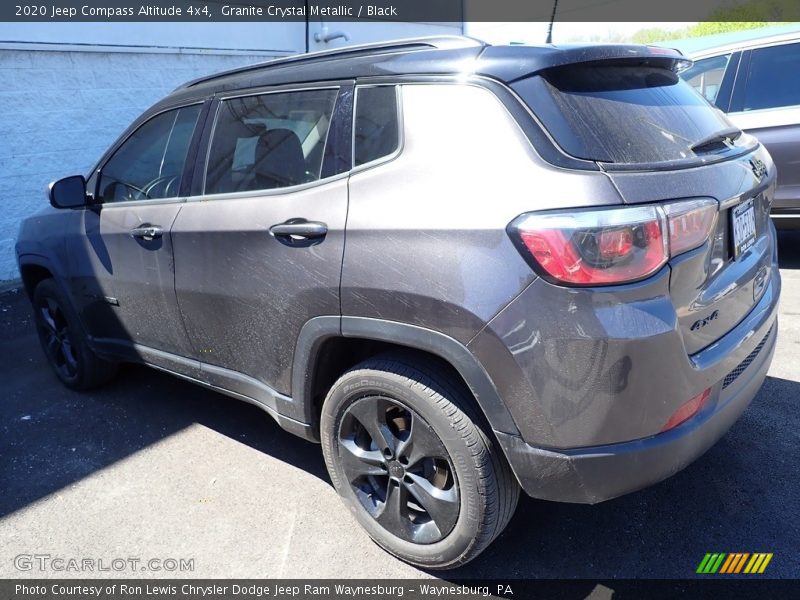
(758, 167)
(703, 322)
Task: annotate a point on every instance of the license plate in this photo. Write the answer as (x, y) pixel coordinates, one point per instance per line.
(744, 227)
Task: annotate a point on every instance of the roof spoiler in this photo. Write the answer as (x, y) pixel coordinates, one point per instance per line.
(530, 60)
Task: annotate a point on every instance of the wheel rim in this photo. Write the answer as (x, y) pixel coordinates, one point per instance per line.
(56, 338)
(398, 469)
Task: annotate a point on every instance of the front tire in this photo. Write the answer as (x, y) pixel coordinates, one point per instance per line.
(405, 452)
(64, 342)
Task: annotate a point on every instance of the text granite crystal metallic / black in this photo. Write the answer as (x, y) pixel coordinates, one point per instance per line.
(465, 270)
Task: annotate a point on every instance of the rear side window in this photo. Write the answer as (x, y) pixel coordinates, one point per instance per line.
(616, 113)
(773, 80)
(269, 141)
(377, 129)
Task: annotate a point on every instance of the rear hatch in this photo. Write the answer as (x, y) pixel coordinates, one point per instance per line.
(659, 141)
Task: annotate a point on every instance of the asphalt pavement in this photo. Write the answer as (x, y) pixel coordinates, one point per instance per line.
(152, 467)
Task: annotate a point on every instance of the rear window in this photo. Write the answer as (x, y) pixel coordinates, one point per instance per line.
(621, 114)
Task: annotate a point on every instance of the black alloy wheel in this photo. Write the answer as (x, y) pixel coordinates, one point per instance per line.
(56, 337)
(64, 341)
(399, 469)
(411, 456)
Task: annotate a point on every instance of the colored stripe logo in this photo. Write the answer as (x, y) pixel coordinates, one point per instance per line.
(734, 562)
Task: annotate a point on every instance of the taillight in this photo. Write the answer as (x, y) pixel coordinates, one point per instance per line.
(596, 247)
(611, 246)
(690, 223)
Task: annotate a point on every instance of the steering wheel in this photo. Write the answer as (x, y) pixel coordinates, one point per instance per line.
(132, 192)
(170, 179)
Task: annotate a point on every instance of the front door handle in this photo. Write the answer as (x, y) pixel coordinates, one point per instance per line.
(147, 232)
(299, 229)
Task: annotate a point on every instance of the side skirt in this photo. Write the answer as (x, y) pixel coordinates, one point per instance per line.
(225, 381)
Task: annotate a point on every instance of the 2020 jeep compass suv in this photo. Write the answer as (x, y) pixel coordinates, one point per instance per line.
(466, 270)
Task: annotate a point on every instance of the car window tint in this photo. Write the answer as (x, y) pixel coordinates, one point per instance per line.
(269, 141)
(706, 75)
(376, 131)
(622, 113)
(150, 163)
(773, 80)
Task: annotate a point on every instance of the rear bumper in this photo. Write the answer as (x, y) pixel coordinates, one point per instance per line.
(591, 475)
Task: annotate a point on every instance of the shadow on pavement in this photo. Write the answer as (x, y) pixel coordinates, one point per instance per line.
(51, 437)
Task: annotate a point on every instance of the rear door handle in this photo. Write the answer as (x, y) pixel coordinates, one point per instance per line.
(147, 232)
(299, 229)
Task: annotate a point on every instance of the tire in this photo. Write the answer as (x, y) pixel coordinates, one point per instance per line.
(398, 436)
(64, 341)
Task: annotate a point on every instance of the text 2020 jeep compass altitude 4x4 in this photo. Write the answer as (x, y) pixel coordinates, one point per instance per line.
(465, 269)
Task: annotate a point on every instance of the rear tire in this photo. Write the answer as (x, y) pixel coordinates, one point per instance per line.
(406, 453)
(64, 341)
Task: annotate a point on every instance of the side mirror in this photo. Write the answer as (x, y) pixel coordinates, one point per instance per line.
(69, 192)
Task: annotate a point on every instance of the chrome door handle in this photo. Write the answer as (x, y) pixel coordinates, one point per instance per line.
(298, 228)
(147, 232)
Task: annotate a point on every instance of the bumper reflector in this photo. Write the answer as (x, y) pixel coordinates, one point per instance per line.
(687, 410)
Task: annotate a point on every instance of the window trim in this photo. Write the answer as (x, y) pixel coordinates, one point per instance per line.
(728, 84)
(188, 165)
(267, 192)
(740, 84)
(400, 129)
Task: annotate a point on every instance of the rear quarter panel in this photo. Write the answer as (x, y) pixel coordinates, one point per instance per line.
(426, 240)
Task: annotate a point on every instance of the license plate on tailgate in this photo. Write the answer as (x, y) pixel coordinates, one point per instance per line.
(744, 227)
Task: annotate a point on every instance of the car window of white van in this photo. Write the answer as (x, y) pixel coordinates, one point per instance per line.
(773, 81)
(706, 75)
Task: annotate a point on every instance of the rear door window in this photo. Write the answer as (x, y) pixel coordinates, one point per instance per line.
(618, 113)
(773, 79)
(269, 141)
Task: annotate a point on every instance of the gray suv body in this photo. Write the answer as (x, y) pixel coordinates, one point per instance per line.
(463, 269)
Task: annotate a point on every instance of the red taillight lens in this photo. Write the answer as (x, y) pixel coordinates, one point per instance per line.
(611, 246)
(690, 223)
(687, 410)
(615, 243)
(596, 247)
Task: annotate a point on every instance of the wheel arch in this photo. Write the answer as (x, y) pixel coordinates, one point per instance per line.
(354, 339)
(34, 269)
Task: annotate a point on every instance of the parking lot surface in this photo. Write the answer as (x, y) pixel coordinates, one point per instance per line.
(152, 467)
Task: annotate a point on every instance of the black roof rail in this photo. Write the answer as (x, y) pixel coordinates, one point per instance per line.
(442, 42)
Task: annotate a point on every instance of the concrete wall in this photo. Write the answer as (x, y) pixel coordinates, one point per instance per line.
(60, 110)
(260, 37)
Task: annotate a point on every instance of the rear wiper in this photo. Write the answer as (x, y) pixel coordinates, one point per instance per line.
(724, 137)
